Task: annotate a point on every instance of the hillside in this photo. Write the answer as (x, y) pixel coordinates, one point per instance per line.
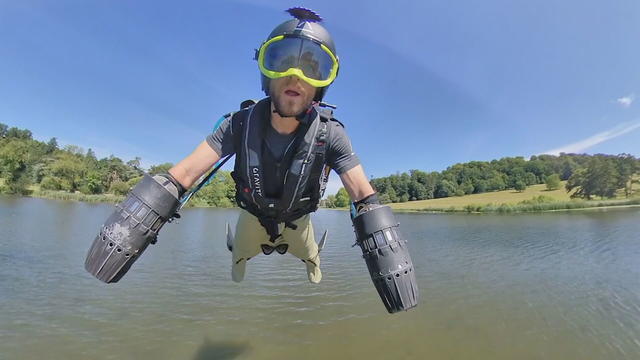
(512, 197)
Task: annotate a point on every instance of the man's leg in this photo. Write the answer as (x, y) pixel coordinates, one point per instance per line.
(303, 246)
(249, 235)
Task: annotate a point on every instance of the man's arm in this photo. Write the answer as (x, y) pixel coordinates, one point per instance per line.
(191, 168)
(136, 222)
(383, 249)
(356, 183)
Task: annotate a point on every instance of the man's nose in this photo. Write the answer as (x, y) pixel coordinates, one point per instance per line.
(293, 79)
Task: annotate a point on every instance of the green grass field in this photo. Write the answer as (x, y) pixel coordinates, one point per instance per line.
(495, 198)
(501, 198)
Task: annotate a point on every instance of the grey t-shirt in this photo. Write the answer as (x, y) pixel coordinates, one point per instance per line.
(340, 156)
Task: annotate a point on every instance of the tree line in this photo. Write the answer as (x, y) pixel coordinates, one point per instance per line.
(586, 175)
(25, 162)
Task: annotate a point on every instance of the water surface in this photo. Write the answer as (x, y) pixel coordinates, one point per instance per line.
(539, 286)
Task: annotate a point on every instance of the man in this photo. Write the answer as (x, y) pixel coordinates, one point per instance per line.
(284, 146)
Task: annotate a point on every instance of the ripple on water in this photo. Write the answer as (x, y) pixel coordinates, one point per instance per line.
(492, 287)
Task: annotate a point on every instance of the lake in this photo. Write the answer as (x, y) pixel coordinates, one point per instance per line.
(534, 286)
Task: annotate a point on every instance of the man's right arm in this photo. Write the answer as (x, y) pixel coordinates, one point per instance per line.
(217, 144)
(191, 168)
(152, 203)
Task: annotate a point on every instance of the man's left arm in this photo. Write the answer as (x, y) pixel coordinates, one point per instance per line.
(356, 183)
(377, 232)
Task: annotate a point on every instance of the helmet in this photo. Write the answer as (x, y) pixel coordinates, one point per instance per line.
(306, 27)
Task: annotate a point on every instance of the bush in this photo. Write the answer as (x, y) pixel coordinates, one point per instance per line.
(134, 181)
(18, 186)
(384, 199)
(93, 184)
(474, 208)
(50, 183)
(541, 199)
(341, 198)
(119, 188)
(553, 182)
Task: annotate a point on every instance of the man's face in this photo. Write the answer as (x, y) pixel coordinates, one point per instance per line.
(291, 95)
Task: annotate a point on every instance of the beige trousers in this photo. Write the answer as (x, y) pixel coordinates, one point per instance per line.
(250, 235)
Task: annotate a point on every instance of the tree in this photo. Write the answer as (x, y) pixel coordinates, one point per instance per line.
(391, 195)
(536, 167)
(530, 178)
(417, 191)
(568, 168)
(69, 170)
(160, 169)
(329, 201)
(516, 175)
(3, 130)
(133, 168)
(92, 184)
(520, 186)
(113, 169)
(626, 166)
(52, 145)
(15, 159)
(553, 182)
(467, 188)
(384, 199)
(219, 192)
(496, 182)
(74, 150)
(445, 188)
(342, 198)
(599, 178)
(16, 133)
(135, 163)
(480, 187)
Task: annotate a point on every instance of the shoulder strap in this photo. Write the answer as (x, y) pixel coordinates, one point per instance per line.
(237, 121)
(319, 170)
(324, 112)
(221, 120)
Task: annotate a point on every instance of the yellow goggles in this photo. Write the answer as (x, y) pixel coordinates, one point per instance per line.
(283, 56)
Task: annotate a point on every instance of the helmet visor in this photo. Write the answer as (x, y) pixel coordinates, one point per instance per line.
(285, 56)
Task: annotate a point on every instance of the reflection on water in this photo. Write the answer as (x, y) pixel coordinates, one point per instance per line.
(541, 286)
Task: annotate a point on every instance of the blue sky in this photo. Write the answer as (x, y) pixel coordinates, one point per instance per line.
(423, 84)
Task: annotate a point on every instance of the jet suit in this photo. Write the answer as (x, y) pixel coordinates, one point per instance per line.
(280, 179)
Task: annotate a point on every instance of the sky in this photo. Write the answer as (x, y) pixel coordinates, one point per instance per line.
(422, 85)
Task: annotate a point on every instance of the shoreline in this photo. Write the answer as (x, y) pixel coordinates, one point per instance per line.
(549, 207)
(526, 209)
(460, 211)
(66, 196)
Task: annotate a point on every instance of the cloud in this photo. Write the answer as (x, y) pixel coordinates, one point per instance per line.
(626, 101)
(582, 145)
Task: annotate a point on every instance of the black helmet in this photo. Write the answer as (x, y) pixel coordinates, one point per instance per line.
(305, 25)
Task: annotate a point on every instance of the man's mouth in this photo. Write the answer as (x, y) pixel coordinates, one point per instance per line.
(291, 93)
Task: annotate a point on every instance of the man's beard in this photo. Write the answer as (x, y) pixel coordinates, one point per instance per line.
(286, 108)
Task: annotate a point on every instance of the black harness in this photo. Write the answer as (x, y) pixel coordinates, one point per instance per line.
(306, 174)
